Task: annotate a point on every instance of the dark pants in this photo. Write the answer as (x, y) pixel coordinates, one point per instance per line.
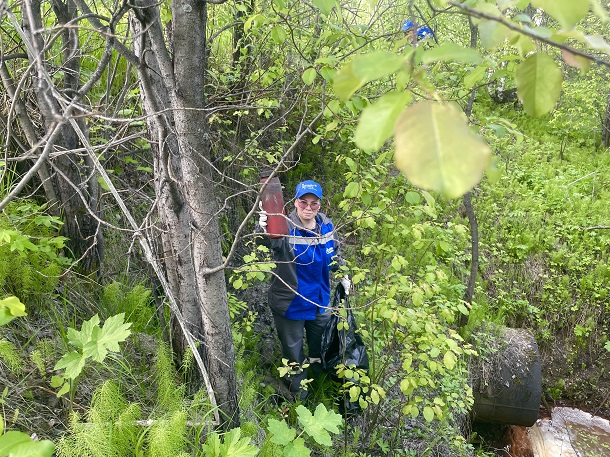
(290, 334)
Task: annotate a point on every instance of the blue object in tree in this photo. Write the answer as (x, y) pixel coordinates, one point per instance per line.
(406, 25)
(423, 32)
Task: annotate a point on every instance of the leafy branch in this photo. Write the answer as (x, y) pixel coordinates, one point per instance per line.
(92, 342)
(594, 42)
(315, 425)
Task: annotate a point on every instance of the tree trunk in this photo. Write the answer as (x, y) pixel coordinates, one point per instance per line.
(187, 206)
(74, 183)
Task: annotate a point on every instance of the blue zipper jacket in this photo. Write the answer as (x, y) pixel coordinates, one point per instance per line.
(300, 287)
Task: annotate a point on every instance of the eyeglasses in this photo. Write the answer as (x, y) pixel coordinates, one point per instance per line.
(313, 205)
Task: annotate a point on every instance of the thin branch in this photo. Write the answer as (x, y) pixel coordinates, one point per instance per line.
(526, 31)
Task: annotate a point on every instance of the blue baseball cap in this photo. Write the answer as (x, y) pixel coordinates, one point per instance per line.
(308, 187)
(406, 25)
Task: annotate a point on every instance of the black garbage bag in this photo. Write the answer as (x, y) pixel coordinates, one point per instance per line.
(343, 346)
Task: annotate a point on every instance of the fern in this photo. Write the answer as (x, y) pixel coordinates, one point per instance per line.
(167, 437)
(170, 396)
(42, 355)
(111, 430)
(30, 263)
(135, 303)
(10, 357)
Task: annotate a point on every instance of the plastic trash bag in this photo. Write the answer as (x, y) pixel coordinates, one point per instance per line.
(343, 346)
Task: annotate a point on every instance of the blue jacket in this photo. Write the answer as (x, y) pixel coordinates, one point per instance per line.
(304, 260)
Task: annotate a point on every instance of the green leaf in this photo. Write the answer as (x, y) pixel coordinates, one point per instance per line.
(18, 444)
(451, 52)
(449, 360)
(107, 339)
(567, 12)
(413, 198)
(492, 33)
(73, 363)
(80, 338)
(318, 425)
(10, 308)
(375, 397)
(64, 389)
(377, 121)
(280, 432)
(297, 449)
(325, 6)
(538, 81)
(234, 446)
(103, 184)
(437, 150)
(364, 69)
(278, 34)
(309, 76)
(351, 190)
(211, 446)
(428, 413)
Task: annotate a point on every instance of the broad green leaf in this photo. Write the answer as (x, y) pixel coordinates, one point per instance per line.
(437, 150)
(234, 446)
(375, 397)
(106, 339)
(64, 389)
(211, 446)
(56, 381)
(492, 33)
(364, 69)
(376, 123)
(414, 198)
(451, 52)
(414, 411)
(325, 6)
(297, 449)
(80, 338)
(449, 360)
(567, 12)
(351, 190)
(73, 363)
(428, 413)
(318, 425)
(475, 76)
(309, 76)
(278, 34)
(280, 432)
(524, 44)
(18, 444)
(10, 308)
(538, 81)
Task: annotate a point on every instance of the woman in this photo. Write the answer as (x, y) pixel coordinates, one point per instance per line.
(299, 295)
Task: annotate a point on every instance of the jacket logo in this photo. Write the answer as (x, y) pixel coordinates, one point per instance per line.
(329, 250)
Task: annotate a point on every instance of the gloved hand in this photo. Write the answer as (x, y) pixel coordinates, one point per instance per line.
(262, 217)
(346, 283)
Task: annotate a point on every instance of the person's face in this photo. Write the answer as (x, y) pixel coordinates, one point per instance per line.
(307, 206)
